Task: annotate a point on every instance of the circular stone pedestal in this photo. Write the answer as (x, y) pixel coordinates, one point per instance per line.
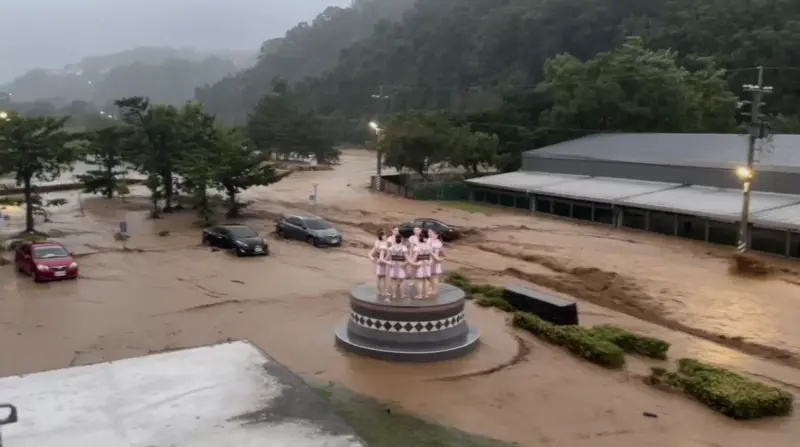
(407, 330)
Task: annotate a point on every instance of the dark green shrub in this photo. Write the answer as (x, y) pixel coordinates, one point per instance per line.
(633, 343)
(487, 290)
(578, 340)
(494, 301)
(731, 394)
(458, 280)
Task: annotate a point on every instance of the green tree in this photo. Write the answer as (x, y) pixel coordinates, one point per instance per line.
(279, 126)
(636, 90)
(201, 157)
(105, 149)
(472, 150)
(241, 167)
(416, 141)
(158, 131)
(35, 148)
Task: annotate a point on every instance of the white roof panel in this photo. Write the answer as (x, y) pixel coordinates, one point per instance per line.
(783, 218)
(223, 395)
(523, 181)
(603, 189)
(725, 204)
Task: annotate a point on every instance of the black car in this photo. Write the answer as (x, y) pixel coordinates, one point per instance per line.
(241, 239)
(446, 232)
(313, 230)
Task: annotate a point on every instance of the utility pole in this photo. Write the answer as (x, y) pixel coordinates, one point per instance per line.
(758, 129)
(381, 96)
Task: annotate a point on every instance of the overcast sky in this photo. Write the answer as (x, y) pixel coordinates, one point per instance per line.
(54, 33)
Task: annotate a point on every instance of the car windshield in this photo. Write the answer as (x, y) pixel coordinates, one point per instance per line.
(49, 251)
(241, 232)
(317, 224)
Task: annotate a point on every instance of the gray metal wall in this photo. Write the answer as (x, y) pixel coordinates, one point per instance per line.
(780, 182)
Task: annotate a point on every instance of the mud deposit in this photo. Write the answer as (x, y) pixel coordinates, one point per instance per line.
(168, 292)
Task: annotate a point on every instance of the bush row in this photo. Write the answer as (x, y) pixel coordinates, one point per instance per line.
(579, 340)
(724, 391)
(729, 393)
(487, 295)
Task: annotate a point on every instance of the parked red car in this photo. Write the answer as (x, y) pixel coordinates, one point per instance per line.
(45, 261)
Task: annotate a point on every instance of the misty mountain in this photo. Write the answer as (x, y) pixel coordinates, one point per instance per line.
(309, 49)
(50, 34)
(166, 75)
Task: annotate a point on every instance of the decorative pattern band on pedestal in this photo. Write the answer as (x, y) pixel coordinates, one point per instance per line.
(407, 326)
(405, 329)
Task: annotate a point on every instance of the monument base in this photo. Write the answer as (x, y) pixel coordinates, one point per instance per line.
(407, 330)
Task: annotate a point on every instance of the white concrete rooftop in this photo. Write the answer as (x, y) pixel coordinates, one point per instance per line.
(226, 395)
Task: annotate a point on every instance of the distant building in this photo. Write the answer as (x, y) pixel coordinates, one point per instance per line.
(677, 184)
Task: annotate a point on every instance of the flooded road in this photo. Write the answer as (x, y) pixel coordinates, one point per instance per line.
(171, 293)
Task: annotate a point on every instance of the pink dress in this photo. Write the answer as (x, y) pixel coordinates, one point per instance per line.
(423, 256)
(397, 256)
(380, 248)
(436, 266)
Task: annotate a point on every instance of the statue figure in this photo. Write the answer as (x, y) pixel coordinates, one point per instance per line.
(378, 257)
(396, 257)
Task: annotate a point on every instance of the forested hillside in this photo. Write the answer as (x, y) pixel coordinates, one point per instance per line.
(466, 55)
(309, 49)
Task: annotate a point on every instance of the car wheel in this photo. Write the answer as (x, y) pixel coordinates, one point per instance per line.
(280, 232)
(311, 241)
(205, 241)
(35, 277)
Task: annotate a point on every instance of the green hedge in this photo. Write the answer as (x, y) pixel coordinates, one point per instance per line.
(487, 295)
(579, 340)
(729, 393)
(633, 343)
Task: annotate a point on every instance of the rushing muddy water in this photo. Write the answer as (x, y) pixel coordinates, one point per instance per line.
(169, 292)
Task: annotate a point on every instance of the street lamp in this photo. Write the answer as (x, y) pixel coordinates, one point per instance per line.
(744, 173)
(378, 133)
(4, 115)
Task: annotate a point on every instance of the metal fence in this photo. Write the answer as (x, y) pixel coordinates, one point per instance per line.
(444, 191)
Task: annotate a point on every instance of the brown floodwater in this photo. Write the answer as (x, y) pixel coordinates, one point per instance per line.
(172, 293)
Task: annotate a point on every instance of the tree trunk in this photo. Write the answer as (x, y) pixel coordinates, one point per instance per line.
(29, 224)
(233, 210)
(166, 178)
(154, 213)
(111, 182)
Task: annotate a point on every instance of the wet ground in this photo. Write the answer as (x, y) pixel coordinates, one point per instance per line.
(170, 292)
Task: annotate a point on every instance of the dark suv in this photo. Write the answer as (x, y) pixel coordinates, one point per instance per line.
(314, 230)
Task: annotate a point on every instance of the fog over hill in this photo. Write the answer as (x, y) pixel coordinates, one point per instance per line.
(52, 34)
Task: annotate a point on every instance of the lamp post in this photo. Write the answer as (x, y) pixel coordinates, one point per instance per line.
(758, 129)
(378, 133)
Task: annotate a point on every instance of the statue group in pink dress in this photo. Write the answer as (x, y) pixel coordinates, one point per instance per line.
(417, 259)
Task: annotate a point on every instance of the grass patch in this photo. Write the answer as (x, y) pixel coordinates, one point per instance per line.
(729, 393)
(468, 207)
(382, 426)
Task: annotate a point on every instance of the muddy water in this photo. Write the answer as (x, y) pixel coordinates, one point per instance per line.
(171, 293)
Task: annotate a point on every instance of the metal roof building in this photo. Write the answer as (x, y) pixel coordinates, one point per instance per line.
(679, 184)
(692, 159)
